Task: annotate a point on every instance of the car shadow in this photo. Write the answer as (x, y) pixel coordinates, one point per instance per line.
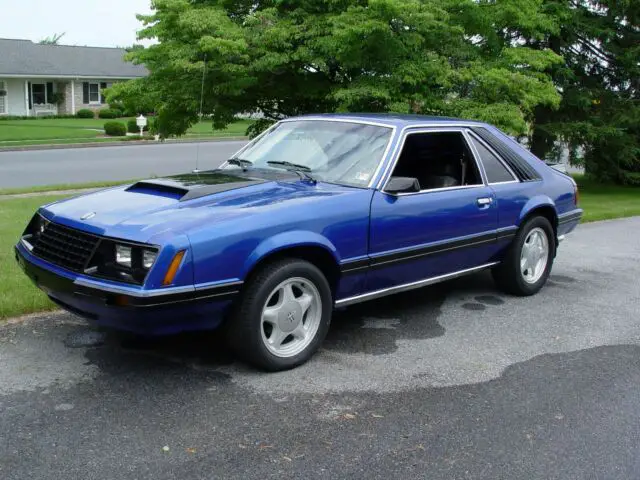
(373, 327)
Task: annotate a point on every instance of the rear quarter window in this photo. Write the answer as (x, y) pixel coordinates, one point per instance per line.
(493, 167)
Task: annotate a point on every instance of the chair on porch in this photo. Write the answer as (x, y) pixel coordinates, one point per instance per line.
(45, 109)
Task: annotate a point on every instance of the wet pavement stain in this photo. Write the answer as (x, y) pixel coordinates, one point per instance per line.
(375, 327)
(489, 300)
(372, 328)
(85, 338)
(127, 354)
(475, 307)
(561, 279)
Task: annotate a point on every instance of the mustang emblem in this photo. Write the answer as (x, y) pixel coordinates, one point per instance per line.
(291, 317)
(88, 215)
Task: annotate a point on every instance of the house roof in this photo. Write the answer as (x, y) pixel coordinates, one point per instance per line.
(24, 58)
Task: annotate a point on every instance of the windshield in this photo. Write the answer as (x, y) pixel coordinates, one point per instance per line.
(335, 152)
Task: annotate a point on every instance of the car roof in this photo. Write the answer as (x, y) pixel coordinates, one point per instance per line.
(391, 119)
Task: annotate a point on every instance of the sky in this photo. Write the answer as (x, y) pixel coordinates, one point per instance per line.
(96, 23)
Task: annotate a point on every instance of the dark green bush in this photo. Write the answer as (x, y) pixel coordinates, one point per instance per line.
(85, 113)
(108, 113)
(115, 129)
(132, 126)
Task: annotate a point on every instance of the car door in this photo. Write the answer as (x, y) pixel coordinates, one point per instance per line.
(438, 231)
(510, 193)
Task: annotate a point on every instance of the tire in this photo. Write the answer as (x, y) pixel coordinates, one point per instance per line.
(509, 276)
(270, 328)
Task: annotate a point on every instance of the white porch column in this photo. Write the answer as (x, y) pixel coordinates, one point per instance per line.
(26, 98)
(73, 96)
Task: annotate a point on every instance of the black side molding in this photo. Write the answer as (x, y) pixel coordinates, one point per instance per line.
(385, 260)
(522, 169)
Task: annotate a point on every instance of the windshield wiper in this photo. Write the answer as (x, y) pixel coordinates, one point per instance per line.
(241, 162)
(301, 170)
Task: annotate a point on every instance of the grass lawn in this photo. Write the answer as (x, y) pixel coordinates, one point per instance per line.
(82, 130)
(604, 202)
(37, 130)
(64, 186)
(235, 129)
(17, 294)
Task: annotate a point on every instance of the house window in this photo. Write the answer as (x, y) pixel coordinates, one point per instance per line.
(94, 93)
(39, 93)
(3, 97)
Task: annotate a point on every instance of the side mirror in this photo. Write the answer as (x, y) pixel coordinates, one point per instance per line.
(402, 185)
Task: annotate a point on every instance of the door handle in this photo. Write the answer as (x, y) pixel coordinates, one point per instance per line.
(485, 201)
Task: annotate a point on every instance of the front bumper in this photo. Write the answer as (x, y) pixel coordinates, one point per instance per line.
(152, 312)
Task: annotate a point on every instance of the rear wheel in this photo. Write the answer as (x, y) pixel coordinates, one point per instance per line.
(527, 263)
(283, 316)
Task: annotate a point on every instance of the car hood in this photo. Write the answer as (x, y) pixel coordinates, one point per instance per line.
(147, 210)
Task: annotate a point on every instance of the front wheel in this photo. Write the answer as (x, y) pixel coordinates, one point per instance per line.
(283, 316)
(527, 263)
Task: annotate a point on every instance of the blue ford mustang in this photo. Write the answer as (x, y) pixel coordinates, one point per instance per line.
(317, 212)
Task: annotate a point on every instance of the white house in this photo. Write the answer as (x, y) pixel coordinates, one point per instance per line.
(32, 76)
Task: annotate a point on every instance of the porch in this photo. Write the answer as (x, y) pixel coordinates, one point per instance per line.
(35, 97)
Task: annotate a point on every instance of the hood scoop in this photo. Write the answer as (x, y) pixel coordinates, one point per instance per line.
(192, 186)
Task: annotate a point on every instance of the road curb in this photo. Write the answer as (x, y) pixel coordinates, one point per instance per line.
(26, 148)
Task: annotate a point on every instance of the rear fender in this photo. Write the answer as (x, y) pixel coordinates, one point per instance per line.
(534, 203)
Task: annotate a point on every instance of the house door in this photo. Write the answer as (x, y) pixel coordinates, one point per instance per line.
(3, 97)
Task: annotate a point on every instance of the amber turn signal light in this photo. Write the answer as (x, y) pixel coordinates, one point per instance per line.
(173, 268)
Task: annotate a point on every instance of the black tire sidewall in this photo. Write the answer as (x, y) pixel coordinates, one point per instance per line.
(250, 343)
(523, 286)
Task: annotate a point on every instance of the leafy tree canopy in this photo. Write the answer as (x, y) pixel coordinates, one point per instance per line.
(599, 115)
(461, 58)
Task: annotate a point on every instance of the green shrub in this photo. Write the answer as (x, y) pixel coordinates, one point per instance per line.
(115, 129)
(85, 113)
(132, 126)
(152, 123)
(108, 113)
(116, 106)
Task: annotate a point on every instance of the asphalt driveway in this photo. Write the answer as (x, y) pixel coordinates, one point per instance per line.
(453, 381)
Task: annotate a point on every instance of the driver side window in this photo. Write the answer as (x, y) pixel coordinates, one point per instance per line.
(437, 160)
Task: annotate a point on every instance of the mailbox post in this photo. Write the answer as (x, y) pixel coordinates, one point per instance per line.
(141, 121)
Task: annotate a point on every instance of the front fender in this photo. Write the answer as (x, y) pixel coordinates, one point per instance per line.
(533, 203)
(284, 240)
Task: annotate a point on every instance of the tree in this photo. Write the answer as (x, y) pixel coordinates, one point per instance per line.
(600, 84)
(53, 39)
(290, 57)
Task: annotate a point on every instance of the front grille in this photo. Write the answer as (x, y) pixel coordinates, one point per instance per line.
(66, 247)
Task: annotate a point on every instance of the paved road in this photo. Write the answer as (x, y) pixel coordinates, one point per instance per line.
(456, 381)
(76, 165)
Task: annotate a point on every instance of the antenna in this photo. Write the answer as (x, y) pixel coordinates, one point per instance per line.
(204, 72)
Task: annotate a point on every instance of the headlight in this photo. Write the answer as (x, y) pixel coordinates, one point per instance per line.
(148, 257)
(123, 255)
(36, 227)
(41, 225)
(127, 262)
